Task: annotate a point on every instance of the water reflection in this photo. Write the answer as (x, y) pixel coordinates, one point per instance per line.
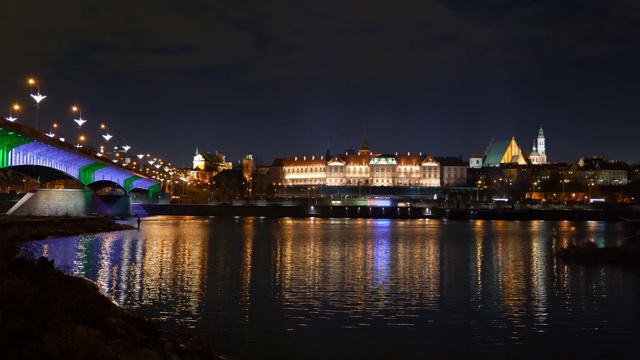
(305, 286)
(164, 264)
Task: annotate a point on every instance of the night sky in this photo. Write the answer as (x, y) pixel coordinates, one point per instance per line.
(286, 78)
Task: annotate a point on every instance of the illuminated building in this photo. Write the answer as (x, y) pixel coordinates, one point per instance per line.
(538, 154)
(364, 168)
(207, 165)
(454, 171)
(504, 152)
(599, 171)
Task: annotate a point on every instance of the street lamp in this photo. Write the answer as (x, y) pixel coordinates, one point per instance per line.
(563, 181)
(37, 98)
(80, 140)
(107, 136)
(80, 120)
(478, 190)
(51, 134)
(15, 107)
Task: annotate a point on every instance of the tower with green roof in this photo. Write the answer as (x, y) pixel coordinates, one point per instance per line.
(541, 146)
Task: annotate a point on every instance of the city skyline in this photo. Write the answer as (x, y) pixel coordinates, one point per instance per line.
(282, 80)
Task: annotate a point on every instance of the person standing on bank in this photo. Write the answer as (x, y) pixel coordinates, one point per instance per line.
(138, 221)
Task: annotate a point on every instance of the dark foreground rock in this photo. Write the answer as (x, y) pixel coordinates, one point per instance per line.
(46, 314)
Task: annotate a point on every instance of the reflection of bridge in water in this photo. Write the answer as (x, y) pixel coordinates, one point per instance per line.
(47, 159)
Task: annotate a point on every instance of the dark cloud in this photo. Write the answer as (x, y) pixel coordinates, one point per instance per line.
(491, 67)
(334, 42)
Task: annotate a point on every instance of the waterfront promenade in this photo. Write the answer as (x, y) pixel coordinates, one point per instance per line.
(313, 208)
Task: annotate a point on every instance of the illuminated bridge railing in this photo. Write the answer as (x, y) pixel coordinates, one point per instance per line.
(20, 145)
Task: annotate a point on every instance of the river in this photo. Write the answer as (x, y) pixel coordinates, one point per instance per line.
(366, 288)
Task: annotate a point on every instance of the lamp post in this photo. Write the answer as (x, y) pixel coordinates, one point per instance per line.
(140, 156)
(50, 133)
(563, 181)
(15, 107)
(37, 97)
(478, 190)
(106, 137)
(79, 121)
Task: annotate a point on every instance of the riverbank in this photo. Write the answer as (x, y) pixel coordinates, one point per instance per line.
(475, 212)
(17, 229)
(46, 314)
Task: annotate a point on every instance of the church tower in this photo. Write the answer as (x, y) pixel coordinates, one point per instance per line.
(198, 161)
(364, 148)
(534, 157)
(541, 146)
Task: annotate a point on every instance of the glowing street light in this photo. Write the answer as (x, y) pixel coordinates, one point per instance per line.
(80, 120)
(15, 107)
(107, 136)
(126, 148)
(563, 181)
(37, 98)
(81, 138)
(50, 133)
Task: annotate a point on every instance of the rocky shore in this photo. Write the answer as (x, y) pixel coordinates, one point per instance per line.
(46, 314)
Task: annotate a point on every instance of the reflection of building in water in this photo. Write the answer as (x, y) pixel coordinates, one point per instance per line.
(523, 262)
(380, 238)
(175, 264)
(317, 269)
(307, 260)
(245, 271)
(513, 257)
(539, 275)
(417, 263)
(160, 265)
(475, 265)
(107, 277)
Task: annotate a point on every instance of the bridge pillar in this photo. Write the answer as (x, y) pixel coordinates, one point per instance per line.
(54, 202)
(118, 205)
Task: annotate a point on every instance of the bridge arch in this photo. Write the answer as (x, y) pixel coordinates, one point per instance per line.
(18, 150)
(45, 159)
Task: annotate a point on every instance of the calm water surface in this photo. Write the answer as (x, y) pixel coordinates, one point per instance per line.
(354, 288)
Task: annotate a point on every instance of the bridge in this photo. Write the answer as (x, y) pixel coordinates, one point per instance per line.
(46, 159)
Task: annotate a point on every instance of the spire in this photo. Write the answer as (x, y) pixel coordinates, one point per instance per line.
(540, 133)
(534, 145)
(197, 151)
(364, 145)
(364, 148)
